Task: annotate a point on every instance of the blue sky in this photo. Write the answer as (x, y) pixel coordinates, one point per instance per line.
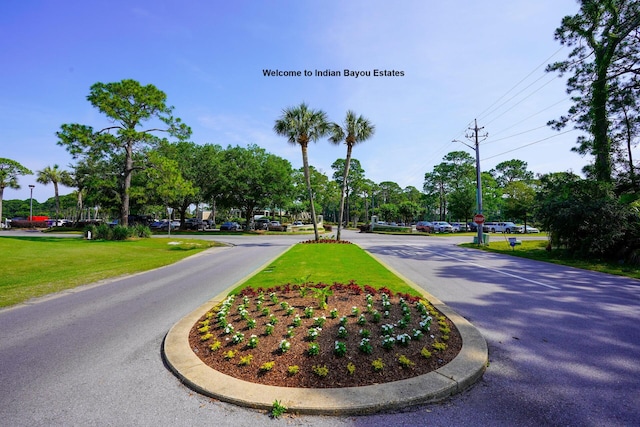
(461, 60)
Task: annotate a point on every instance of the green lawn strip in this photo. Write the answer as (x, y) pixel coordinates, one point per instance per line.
(36, 266)
(536, 249)
(326, 263)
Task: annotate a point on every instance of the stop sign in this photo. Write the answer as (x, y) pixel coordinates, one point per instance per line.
(478, 219)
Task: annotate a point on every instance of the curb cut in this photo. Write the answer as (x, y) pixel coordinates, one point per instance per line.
(459, 374)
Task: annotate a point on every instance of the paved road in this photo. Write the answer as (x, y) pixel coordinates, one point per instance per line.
(564, 344)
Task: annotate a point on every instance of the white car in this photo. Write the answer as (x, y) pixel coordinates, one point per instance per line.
(526, 229)
(442, 227)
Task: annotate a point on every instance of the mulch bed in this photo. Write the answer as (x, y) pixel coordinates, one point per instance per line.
(343, 299)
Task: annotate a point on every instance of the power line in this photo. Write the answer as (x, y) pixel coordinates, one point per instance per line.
(481, 115)
(529, 144)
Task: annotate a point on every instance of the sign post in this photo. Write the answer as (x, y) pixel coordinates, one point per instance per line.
(479, 220)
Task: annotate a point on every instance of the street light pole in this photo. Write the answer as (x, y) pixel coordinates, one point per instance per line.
(31, 186)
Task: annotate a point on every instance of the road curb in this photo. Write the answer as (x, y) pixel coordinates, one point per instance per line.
(462, 372)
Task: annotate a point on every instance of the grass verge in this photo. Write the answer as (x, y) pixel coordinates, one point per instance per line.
(326, 263)
(536, 249)
(36, 266)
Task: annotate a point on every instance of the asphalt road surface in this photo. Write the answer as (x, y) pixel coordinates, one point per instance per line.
(564, 344)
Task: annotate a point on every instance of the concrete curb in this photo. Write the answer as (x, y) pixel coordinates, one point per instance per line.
(459, 374)
(462, 372)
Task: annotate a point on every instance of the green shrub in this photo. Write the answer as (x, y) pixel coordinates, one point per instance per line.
(143, 231)
(120, 232)
(103, 232)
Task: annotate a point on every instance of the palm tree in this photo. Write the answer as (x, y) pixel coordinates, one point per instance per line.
(55, 176)
(353, 131)
(10, 170)
(301, 125)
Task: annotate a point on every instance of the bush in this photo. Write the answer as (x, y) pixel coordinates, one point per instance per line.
(586, 218)
(104, 232)
(120, 232)
(140, 230)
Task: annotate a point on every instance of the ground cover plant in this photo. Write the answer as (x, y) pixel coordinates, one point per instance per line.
(36, 266)
(538, 250)
(282, 336)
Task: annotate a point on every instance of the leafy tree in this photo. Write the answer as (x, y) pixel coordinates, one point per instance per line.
(462, 203)
(412, 194)
(518, 188)
(625, 134)
(355, 130)
(437, 184)
(350, 187)
(584, 217)
(252, 178)
(368, 189)
(128, 105)
(389, 192)
(10, 170)
(164, 181)
(510, 171)
(492, 201)
(301, 125)
(519, 200)
(389, 211)
(604, 61)
(408, 211)
(326, 193)
(53, 175)
(197, 164)
(455, 174)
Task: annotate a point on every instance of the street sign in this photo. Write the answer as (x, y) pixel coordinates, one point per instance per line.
(478, 219)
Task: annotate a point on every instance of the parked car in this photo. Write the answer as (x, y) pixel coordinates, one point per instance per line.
(276, 226)
(261, 224)
(297, 223)
(197, 224)
(442, 227)
(175, 224)
(230, 226)
(424, 226)
(459, 226)
(526, 229)
(500, 227)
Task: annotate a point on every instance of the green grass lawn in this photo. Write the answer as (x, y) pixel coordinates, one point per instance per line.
(327, 263)
(536, 249)
(36, 266)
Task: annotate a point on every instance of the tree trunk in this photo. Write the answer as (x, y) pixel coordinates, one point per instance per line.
(79, 207)
(1, 196)
(601, 142)
(307, 177)
(128, 170)
(344, 189)
(57, 197)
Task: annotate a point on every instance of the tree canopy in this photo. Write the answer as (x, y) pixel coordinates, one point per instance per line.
(604, 63)
(128, 105)
(10, 170)
(301, 125)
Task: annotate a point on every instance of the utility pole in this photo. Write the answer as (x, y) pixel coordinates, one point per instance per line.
(475, 137)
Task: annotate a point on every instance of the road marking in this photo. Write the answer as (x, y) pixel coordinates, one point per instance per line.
(491, 269)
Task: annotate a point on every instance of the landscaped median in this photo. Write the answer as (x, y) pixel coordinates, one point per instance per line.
(393, 332)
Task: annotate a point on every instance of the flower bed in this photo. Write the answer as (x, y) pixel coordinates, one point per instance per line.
(320, 335)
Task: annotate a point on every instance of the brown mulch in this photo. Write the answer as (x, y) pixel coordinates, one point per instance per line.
(338, 375)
